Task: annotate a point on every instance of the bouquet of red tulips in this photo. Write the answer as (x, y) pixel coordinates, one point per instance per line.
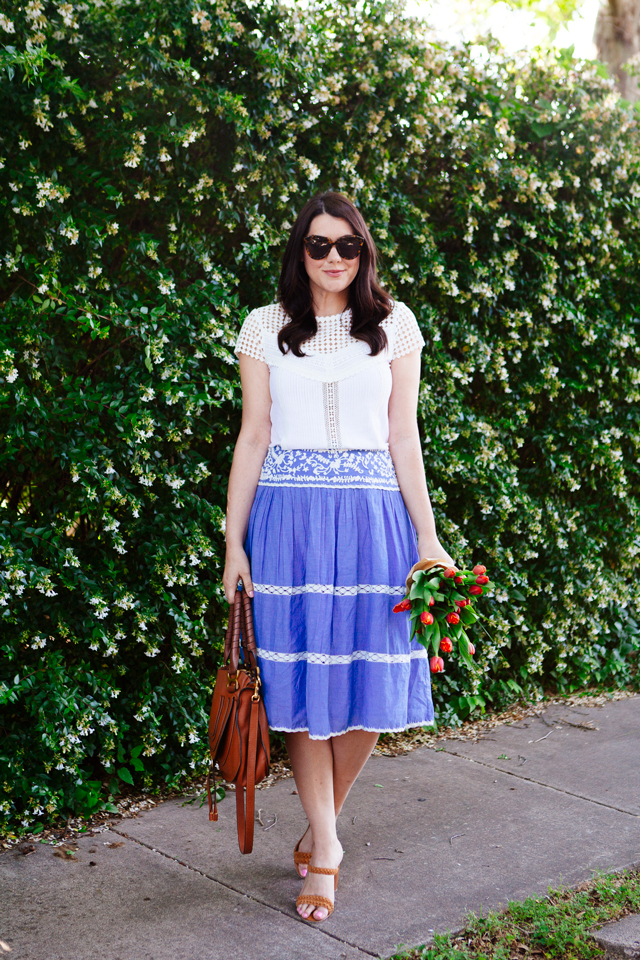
(440, 601)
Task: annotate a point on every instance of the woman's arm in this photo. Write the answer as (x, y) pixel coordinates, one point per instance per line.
(406, 453)
(248, 457)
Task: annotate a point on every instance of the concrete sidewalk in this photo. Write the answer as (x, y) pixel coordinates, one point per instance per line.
(427, 837)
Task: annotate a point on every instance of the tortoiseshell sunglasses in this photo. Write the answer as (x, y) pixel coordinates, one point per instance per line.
(348, 247)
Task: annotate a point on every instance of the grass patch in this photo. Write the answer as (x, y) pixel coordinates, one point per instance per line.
(557, 925)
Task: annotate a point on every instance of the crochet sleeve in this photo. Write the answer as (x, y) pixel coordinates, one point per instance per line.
(250, 339)
(407, 332)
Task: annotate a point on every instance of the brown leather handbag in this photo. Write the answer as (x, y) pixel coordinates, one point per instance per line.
(238, 729)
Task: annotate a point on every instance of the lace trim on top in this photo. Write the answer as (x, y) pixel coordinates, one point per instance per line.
(259, 333)
(331, 414)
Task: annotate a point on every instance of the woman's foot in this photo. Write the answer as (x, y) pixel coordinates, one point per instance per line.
(305, 845)
(318, 884)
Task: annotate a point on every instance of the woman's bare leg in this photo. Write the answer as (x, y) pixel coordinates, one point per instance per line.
(324, 771)
(350, 753)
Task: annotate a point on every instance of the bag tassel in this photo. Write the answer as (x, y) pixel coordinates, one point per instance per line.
(213, 806)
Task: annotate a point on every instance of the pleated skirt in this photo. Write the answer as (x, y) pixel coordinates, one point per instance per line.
(330, 544)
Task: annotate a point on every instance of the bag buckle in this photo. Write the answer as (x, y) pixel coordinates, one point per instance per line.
(256, 686)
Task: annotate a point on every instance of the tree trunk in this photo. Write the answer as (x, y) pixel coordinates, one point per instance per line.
(617, 38)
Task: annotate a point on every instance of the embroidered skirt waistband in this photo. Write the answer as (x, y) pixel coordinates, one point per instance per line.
(333, 469)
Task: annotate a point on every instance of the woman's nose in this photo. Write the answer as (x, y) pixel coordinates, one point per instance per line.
(333, 255)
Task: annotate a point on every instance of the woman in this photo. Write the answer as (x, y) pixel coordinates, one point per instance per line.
(326, 495)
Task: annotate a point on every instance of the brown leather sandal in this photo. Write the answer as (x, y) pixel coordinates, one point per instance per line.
(300, 858)
(316, 900)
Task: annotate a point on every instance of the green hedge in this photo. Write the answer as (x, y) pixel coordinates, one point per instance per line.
(153, 157)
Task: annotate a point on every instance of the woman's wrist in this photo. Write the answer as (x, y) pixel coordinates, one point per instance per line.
(430, 548)
(234, 540)
(428, 540)
(235, 550)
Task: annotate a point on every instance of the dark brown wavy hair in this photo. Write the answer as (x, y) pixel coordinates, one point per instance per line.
(369, 303)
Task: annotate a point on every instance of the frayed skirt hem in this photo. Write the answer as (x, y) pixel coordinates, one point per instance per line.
(339, 733)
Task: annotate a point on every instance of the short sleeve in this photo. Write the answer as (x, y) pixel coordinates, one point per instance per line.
(407, 336)
(250, 338)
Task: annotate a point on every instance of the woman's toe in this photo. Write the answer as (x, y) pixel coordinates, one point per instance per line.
(321, 913)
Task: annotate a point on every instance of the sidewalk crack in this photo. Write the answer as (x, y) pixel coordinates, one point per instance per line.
(541, 783)
(242, 893)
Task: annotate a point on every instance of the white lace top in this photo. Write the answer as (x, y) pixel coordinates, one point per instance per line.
(336, 396)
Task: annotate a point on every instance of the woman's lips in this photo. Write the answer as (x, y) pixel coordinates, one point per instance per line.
(333, 273)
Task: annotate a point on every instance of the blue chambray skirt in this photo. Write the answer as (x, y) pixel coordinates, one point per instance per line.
(330, 544)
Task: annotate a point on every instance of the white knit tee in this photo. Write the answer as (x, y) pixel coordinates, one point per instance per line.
(336, 397)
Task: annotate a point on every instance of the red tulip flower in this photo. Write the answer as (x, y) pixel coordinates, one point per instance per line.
(449, 572)
(476, 591)
(458, 580)
(432, 601)
(436, 664)
(479, 569)
(472, 649)
(482, 580)
(426, 617)
(445, 645)
(452, 618)
(462, 603)
(402, 606)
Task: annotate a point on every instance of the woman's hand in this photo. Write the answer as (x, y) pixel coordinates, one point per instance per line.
(236, 567)
(430, 549)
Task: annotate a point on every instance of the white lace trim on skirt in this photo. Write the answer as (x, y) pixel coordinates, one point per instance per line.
(338, 659)
(338, 733)
(329, 588)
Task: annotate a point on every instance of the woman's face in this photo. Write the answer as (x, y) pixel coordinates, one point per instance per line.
(333, 274)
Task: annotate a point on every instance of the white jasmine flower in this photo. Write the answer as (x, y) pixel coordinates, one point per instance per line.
(174, 482)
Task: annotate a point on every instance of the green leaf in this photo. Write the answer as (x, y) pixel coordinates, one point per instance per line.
(125, 775)
(463, 647)
(435, 638)
(468, 615)
(542, 130)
